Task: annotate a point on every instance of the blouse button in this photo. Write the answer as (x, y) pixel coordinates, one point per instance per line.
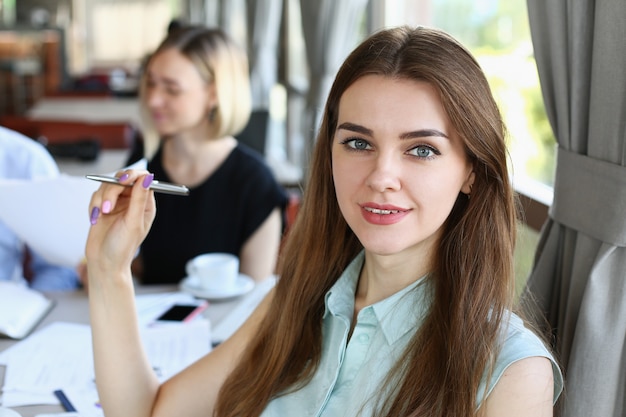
(364, 338)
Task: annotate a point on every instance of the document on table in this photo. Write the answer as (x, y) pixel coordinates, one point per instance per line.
(59, 356)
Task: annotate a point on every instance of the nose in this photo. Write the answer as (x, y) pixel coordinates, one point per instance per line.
(385, 174)
(153, 97)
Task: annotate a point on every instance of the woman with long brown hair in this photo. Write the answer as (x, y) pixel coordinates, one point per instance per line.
(396, 287)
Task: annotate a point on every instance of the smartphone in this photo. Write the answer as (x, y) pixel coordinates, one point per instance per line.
(182, 312)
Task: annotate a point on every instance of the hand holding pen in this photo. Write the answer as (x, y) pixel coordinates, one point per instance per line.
(121, 217)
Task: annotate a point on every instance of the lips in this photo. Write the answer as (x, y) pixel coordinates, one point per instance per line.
(158, 117)
(383, 214)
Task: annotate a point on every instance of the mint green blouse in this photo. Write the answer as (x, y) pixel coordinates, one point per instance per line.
(352, 371)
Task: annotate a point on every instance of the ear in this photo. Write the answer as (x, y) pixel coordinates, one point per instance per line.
(211, 101)
(467, 185)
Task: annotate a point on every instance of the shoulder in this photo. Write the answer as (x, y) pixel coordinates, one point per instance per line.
(524, 389)
(249, 168)
(249, 159)
(523, 359)
(24, 157)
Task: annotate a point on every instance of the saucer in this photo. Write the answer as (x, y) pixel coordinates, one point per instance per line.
(243, 284)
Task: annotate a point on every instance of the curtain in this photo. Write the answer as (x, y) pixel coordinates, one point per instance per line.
(579, 276)
(264, 18)
(330, 29)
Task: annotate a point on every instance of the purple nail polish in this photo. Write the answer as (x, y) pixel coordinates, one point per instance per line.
(94, 215)
(124, 177)
(148, 180)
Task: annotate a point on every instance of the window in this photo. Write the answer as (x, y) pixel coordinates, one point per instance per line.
(498, 34)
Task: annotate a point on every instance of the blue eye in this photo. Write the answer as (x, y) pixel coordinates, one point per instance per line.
(357, 144)
(423, 151)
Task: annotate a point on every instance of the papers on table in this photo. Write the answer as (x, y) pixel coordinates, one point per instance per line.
(59, 356)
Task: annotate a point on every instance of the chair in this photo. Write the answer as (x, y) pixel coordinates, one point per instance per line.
(254, 134)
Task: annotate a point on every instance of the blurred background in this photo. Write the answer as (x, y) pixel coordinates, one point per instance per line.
(79, 61)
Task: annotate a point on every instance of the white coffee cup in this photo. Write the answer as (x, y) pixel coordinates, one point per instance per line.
(214, 271)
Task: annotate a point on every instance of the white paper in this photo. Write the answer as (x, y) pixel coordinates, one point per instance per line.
(56, 356)
(60, 356)
(49, 215)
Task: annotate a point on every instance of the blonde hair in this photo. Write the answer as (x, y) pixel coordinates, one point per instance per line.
(219, 60)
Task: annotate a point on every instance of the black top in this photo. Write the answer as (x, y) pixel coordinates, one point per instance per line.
(219, 215)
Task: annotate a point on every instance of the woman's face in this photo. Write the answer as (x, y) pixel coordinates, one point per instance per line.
(398, 166)
(177, 97)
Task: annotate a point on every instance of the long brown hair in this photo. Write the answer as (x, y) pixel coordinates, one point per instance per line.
(473, 276)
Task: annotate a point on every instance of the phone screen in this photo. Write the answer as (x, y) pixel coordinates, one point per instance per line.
(182, 312)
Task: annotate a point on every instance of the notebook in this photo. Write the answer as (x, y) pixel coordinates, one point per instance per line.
(21, 309)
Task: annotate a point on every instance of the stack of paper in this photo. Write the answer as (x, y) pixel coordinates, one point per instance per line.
(59, 356)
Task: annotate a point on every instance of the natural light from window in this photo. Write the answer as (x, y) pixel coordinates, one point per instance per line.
(497, 32)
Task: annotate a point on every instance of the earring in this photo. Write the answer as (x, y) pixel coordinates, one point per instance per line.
(212, 114)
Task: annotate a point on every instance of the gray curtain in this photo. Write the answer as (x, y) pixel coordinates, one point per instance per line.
(330, 29)
(579, 277)
(264, 18)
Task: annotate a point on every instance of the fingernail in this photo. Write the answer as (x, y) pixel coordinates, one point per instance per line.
(148, 180)
(94, 215)
(124, 177)
(106, 206)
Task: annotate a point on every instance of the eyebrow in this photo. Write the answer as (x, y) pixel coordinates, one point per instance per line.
(166, 80)
(421, 133)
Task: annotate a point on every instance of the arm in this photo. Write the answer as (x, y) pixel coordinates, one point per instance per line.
(194, 391)
(126, 382)
(525, 389)
(259, 253)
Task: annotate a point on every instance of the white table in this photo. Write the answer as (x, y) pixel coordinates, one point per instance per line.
(72, 306)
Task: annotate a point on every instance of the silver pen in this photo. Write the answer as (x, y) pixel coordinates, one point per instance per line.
(156, 186)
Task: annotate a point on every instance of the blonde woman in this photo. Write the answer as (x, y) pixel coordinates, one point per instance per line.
(195, 96)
